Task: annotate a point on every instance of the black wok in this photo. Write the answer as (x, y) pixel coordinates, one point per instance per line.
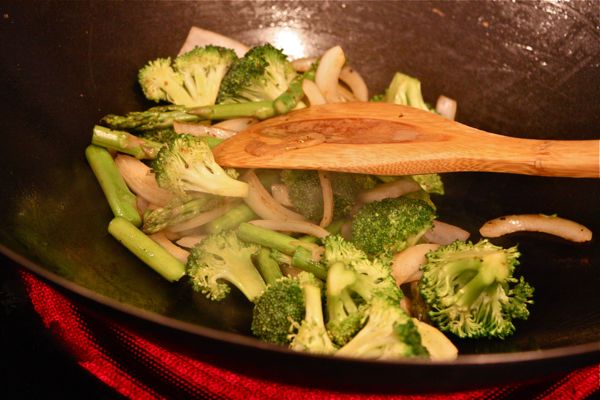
(527, 69)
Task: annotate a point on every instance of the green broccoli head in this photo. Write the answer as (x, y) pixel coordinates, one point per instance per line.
(160, 82)
(405, 90)
(262, 74)
(388, 333)
(221, 258)
(202, 70)
(311, 334)
(430, 183)
(470, 289)
(186, 164)
(275, 310)
(305, 192)
(352, 282)
(390, 225)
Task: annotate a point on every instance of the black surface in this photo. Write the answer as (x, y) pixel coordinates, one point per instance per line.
(517, 68)
(33, 364)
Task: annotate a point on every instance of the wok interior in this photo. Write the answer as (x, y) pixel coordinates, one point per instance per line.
(523, 69)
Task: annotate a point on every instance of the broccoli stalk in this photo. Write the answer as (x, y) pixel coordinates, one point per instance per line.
(388, 333)
(186, 164)
(146, 249)
(268, 267)
(223, 257)
(231, 219)
(160, 218)
(311, 335)
(120, 199)
(390, 225)
(125, 142)
(302, 256)
(467, 288)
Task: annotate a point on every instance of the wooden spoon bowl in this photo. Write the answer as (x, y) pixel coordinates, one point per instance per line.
(389, 139)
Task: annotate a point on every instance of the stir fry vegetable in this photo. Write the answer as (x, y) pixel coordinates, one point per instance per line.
(330, 261)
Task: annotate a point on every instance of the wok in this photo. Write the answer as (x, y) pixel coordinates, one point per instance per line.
(526, 69)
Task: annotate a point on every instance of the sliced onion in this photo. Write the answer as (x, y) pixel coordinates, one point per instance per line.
(190, 241)
(406, 305)
(281, 194)
(327, 191)
(550, 224)
(236, 124)
(198, 37)
(355, 82)
(200, 219)
(263, 204)
(305, 227)
(344, 95)
(303, 64)
(446, 107)
(176, 251)
(439, 347)
(202, 130)
(328, 73)
(140, 179)
(406, 265)
(141, 204)
(312, 93)
(443, 233)
(389, 190)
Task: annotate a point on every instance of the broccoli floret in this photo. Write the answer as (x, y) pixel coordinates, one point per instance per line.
(390, 225)
(262, 74)
(203, 69)
(387, 334)
(186, 164)
(431, 183)
(311, 335)
(193, 79)
(405, 90)
(160, 82)
(470, 289)
(223, 257)
(161, 135)
(280, 304)
(352, 282)
(306, 195)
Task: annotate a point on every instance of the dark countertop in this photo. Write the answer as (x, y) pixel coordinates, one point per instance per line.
(32, 363)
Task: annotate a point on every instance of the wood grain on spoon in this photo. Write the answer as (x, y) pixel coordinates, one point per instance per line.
(388, 139)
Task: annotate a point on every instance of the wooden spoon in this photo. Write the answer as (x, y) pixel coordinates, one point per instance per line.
(388, 139)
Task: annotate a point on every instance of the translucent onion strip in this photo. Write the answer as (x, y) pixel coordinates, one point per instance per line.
(327, 191)
(328, 73)
(355, 82)
(190, 241)
(263, 204)
(312, 93)
(439, 347)
(281, 194)
(553, 225)
(236, 124)
(304, 227)
(446, 107)
(202, 130)
(389, 190)
(406, 265)
(443, 233)
(176, 251)
(344, 95)
(200, 219)
(303, 64)
(201, 37)
(140, 179)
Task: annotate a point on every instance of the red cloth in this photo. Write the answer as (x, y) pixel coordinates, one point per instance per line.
(149, 371)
